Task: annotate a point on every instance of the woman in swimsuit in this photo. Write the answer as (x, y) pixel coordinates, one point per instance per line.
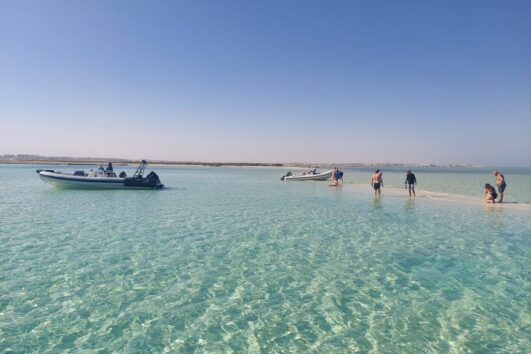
(490, 194)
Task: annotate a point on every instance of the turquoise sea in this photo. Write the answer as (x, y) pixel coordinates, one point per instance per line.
(234, 260)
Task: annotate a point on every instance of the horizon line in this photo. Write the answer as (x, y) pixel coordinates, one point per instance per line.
(12, 158)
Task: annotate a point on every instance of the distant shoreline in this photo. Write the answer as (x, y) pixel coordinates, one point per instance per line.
(118, 162)
(134, 163)
(26, 159)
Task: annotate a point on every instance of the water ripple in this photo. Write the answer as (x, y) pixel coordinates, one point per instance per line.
(238, 262)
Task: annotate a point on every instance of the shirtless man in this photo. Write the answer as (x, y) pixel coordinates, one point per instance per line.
(377, 181)
(500, 182)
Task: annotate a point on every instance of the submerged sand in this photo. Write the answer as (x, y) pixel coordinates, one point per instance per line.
(394, 192)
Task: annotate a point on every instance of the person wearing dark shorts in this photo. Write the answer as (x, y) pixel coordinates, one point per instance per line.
(410, 182)
(377, 182)
(500, 182)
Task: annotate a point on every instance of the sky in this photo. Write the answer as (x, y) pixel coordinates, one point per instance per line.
(270, 81)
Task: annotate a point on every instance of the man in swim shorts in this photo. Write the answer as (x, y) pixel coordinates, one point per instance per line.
(500, 182)
(377, 182)
(410, 182)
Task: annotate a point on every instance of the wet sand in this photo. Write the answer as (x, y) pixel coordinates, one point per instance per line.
(395, 192)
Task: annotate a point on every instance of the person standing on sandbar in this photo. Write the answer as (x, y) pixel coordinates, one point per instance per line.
(500, 182)
(377, 182)
(410, 182)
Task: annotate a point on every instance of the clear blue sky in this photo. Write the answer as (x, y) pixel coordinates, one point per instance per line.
(308, 81)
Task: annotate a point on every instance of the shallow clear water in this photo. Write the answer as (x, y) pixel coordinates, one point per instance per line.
(236, 260)
(463, 181)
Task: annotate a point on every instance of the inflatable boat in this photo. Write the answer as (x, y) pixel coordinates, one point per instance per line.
(308, 176)
(101, 179)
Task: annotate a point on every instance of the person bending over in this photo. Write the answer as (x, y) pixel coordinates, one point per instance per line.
(490, 194)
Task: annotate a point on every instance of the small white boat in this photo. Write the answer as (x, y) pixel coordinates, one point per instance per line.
(100, 180)
(309, 176)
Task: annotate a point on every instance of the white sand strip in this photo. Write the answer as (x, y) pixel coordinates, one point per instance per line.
(395, 192)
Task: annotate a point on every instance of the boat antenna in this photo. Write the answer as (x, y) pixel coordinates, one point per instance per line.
(140, 169)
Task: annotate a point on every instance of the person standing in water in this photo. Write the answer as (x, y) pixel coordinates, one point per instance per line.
(500, 182)
(338, 176)
(410, 182)
(334, 178)
(377, 182)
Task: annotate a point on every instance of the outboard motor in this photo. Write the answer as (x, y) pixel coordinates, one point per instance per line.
(153, 177)
(287, 175)
(150, 181)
